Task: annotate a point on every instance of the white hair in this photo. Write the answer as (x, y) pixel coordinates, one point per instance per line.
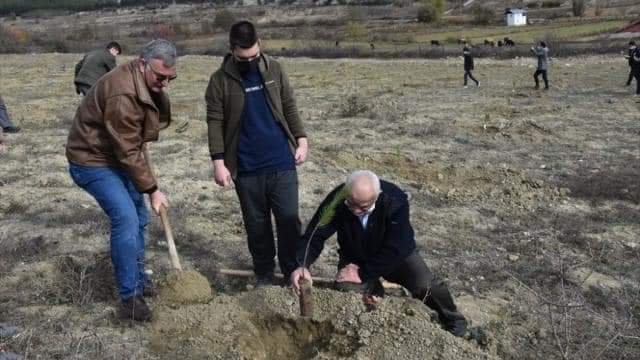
(160, 49)
(375, 181)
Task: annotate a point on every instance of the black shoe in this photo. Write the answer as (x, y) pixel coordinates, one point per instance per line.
(135, 308)
(11, 129)
(149, 291)
(456, 327)
(265, 280)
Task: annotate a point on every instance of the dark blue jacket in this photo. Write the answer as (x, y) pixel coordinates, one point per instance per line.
(468, 59)
(378, 250)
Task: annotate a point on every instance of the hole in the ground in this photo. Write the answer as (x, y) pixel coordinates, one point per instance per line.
(279, 337)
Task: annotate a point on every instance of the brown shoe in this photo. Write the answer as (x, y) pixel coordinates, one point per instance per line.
(135, 308)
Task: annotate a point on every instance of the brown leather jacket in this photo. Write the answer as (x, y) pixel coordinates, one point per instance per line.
(118, 115)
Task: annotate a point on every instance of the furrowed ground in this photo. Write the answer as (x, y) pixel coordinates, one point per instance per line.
(527, 202)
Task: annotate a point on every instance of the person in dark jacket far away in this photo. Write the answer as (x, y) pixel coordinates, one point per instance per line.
(629, 57)
(5, 121)
(635, 67)
(376, 240)
(93, 65)
(468, 65)
(542, 54)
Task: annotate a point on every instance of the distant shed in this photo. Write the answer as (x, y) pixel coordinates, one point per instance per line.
(515, 17)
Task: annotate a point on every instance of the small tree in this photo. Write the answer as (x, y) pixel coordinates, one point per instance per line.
(482, 15)
(427, 14)
(431, 10)
(355, 30)
(224, 19)
(577, 6)
(439, 6)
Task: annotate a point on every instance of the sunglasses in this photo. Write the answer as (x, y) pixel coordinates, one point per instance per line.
(161, 77)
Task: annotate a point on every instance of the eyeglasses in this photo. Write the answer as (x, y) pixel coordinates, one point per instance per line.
(161, 77)
(353, 206)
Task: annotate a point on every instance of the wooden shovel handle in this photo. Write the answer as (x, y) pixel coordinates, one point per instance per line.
(173, 253)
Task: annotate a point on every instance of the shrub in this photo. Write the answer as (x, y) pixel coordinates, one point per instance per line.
(224, 19)
(163, 31)
(551, 3)
(577, 6)
(427, 14)
(355, 30)
(353, 106)
(482, 15)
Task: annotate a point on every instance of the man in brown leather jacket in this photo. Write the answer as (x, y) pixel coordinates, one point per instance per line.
(124, 109)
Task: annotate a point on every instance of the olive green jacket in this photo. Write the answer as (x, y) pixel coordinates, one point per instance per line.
(225, 103)
(94, 64)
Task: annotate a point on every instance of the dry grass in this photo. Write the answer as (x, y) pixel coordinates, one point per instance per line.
(496, 171)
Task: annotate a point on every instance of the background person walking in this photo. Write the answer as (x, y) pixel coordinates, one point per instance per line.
(542, 53)
(468, 65)
(629, 56)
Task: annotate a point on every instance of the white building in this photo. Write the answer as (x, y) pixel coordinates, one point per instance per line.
(515, 17)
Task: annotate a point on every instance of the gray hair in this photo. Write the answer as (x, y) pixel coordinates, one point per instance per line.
(160, 49)
(375, 181)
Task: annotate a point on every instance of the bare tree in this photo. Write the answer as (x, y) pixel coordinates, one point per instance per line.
(578, 7)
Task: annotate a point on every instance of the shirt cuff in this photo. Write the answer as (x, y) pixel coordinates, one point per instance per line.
(218, 156)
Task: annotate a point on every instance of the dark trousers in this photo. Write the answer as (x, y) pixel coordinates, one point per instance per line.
(468, 75)
(260, 196)
(544, 77)
(5, 121)
(414, 275)
(637, 76)
(631, 76)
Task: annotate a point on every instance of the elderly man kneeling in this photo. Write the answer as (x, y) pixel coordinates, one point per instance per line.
(375, 240)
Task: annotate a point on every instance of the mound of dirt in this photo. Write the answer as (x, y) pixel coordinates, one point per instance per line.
(264, 324)
(184, 287)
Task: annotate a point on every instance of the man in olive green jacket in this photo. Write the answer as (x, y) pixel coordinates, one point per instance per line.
(256, 140)
(123, 111)
(93, 65)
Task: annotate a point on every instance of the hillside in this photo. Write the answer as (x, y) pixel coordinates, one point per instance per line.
(301, 30)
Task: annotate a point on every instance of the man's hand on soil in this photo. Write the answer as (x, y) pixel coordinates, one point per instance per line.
(297, 275)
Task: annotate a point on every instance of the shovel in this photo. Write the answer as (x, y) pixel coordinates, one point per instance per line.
(168, 234)
(166, 226)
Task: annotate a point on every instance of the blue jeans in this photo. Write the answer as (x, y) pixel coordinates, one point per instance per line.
(116, 194)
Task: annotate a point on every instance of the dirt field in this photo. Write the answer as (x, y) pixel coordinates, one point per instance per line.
(527, 202)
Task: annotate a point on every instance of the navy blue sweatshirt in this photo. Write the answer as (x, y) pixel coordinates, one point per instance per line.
(262, 144)
(377, 250)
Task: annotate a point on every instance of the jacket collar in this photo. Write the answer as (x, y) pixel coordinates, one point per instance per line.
(141, 86)
(163, 107)
(229, 66)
